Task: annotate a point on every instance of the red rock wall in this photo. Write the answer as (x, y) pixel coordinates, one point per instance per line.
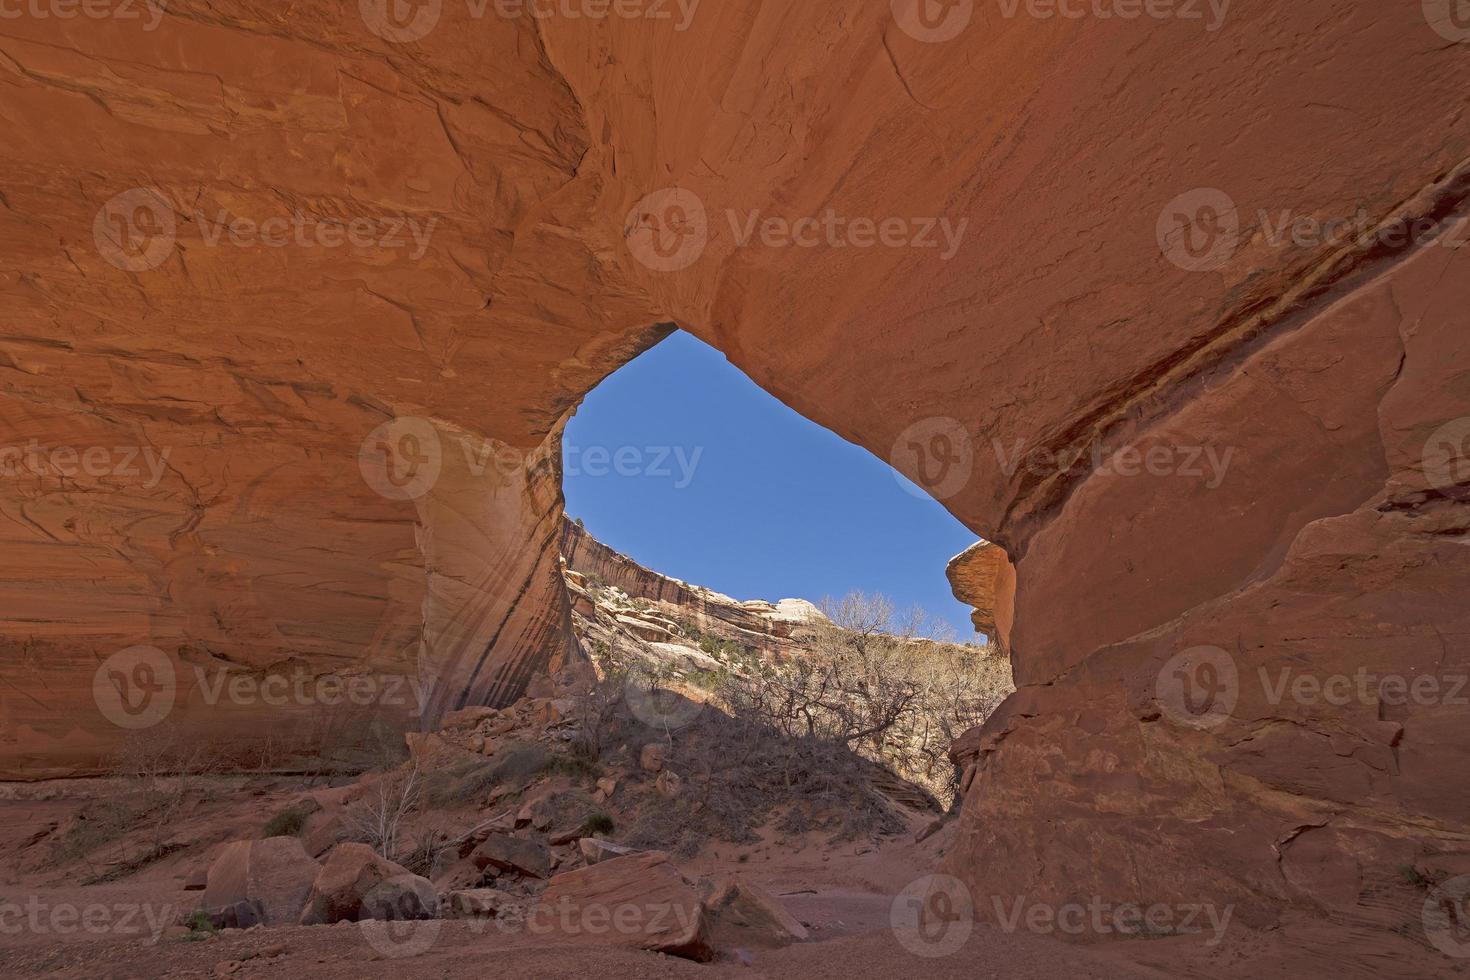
(1054, 320)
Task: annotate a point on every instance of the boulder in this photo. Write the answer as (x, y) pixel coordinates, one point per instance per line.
(640, 901)
(506, 853)
(274, 875)
(324, 830)
(653, 757)
(745, 914)
(668, 784)
(402, 897)
(344, 889)
(595, 849)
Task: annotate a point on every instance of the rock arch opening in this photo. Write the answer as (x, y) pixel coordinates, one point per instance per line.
(682, 463)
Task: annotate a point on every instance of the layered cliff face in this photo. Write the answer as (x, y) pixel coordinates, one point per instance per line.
(298, 299)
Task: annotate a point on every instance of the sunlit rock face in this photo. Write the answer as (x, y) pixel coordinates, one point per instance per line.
(243, 238)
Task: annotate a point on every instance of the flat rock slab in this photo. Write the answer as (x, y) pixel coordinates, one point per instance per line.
(641, 901)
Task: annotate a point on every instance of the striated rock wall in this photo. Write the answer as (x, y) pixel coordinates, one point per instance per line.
(754, 623)
(994, 249)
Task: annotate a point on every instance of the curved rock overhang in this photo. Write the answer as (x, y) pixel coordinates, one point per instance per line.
(243, 239)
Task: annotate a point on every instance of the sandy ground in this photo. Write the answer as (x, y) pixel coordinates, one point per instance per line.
(50, 926)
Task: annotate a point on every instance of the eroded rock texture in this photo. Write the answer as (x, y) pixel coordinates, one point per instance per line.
(1044, 159)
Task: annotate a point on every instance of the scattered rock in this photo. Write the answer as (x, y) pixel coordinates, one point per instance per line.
(641, 901)
(468, 718)
(607, 785)
(350, 873)
(507, 853)
(560, 837)
(458, 875)
(595, 849)
(481, 903)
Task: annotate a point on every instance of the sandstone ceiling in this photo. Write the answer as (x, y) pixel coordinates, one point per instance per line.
(242, 238)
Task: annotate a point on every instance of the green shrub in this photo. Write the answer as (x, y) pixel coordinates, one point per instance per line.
(598, 823)
(288, 823)
(576, 766)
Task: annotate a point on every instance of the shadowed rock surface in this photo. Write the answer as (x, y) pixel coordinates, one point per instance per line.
(246, 522)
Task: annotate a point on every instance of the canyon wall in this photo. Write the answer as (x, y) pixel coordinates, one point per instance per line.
(1164, 306)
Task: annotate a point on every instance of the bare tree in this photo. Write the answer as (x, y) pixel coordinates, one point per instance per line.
(888, 686)
(376, 820)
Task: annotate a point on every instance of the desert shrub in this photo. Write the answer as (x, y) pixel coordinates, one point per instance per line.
(519, 762)
(158, 776)
(377, 818)
(288, 823)
(598, 823)
(878, 685)
(201, 926)
(576, 766)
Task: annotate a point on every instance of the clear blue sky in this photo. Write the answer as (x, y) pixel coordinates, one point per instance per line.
(749, 498)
